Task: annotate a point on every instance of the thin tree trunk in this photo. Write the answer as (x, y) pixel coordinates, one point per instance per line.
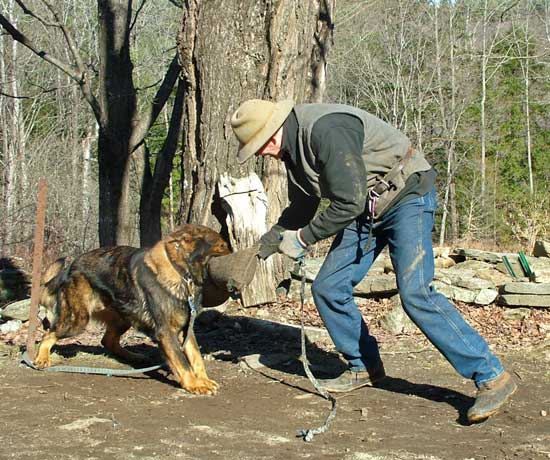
(483, 101)
(154, 183)
(13, 130)
(525, 67)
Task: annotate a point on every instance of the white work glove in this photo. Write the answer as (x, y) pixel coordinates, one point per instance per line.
(292, 244)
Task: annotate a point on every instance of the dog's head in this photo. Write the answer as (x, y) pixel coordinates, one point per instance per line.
(192, 246)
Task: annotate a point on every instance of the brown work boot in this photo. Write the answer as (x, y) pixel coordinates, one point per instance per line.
(352, 380)
(491, 396)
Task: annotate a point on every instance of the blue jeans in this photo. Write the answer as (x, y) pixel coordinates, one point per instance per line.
(407, 230)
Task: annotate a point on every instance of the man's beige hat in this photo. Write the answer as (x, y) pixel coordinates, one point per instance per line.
(255, 122)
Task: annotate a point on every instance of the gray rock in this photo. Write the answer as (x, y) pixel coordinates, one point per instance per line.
(473, 265)
(474, 284)
(17, 310)
(455, 293)
(486, 296)
(442, 277)
(542, 276)
(312, 268)
(313, 265)
(294, 291)
(11, 326)
(396, 320)
(516, 267)
(442, 251)
(486, 277)
(486, 256)
(444, 262)
(539, 263)
(377, 284)
(511, 314)
(524, 300)
(496, 277)
(526, 288)
(7, 294)
(541, 249)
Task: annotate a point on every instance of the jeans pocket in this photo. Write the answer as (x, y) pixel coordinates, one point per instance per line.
(430, 201)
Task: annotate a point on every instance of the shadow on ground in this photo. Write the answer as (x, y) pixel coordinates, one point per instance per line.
(277, 350)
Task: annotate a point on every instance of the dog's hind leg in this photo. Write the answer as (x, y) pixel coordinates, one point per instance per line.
(180, 365)
(193, 354)
(72, 316)
(115, 329)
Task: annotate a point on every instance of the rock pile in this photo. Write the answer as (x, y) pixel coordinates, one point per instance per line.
(464, 275)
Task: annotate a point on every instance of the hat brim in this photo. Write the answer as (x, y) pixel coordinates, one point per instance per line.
(278, 117)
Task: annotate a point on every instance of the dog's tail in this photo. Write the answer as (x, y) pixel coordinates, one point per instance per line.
(51, 281)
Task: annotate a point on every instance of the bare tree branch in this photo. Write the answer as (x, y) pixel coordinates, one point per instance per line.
(140, 7)
(68, 38)
(34, 15)
(44, 91)
(177, 3)
(79, 75)
(163, 93)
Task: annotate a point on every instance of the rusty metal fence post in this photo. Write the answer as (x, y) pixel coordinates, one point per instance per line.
(38, 251)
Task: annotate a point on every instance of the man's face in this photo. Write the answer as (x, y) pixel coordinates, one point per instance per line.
(273, 146)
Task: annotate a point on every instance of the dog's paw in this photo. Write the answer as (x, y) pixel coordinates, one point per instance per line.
(203, 387)
(41, 362)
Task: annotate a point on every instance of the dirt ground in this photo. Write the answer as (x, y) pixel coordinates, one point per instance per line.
(418, 413)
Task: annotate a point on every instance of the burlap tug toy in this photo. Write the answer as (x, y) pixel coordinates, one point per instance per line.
(227, 274)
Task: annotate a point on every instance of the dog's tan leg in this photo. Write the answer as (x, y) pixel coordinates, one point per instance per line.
(193, 354)
(115, 327)
(71, 320)
(181, 367)
(42, 359)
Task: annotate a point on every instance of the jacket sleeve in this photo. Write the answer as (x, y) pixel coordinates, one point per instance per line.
(337, 141)
(300, 210)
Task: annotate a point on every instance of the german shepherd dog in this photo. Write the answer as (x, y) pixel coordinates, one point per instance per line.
(150, 289)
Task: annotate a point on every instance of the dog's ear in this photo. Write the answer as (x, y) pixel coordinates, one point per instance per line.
(200, 251)
(183, 244)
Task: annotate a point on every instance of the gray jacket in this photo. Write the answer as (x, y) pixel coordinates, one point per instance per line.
(346, 175)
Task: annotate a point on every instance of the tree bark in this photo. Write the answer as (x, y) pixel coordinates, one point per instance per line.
(154, 183)
(266, 50)
(118, 101)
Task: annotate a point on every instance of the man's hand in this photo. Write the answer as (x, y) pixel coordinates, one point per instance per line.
(270, 241)
(292, 245)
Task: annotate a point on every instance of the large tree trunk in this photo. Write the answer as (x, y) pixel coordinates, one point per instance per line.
(267, 50)
(118, 100)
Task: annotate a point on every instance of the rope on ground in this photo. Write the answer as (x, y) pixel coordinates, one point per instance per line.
(25, 359)
(308, 433)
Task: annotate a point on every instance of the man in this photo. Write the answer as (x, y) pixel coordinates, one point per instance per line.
(381, 193)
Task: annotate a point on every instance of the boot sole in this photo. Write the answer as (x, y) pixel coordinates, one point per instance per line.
(479, 418)
(355, 387)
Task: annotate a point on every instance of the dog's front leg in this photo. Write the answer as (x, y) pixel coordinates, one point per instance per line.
(181, 367)
(193, 354)
(42, 359)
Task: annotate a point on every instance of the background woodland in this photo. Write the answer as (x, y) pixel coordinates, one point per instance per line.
(468, 81)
